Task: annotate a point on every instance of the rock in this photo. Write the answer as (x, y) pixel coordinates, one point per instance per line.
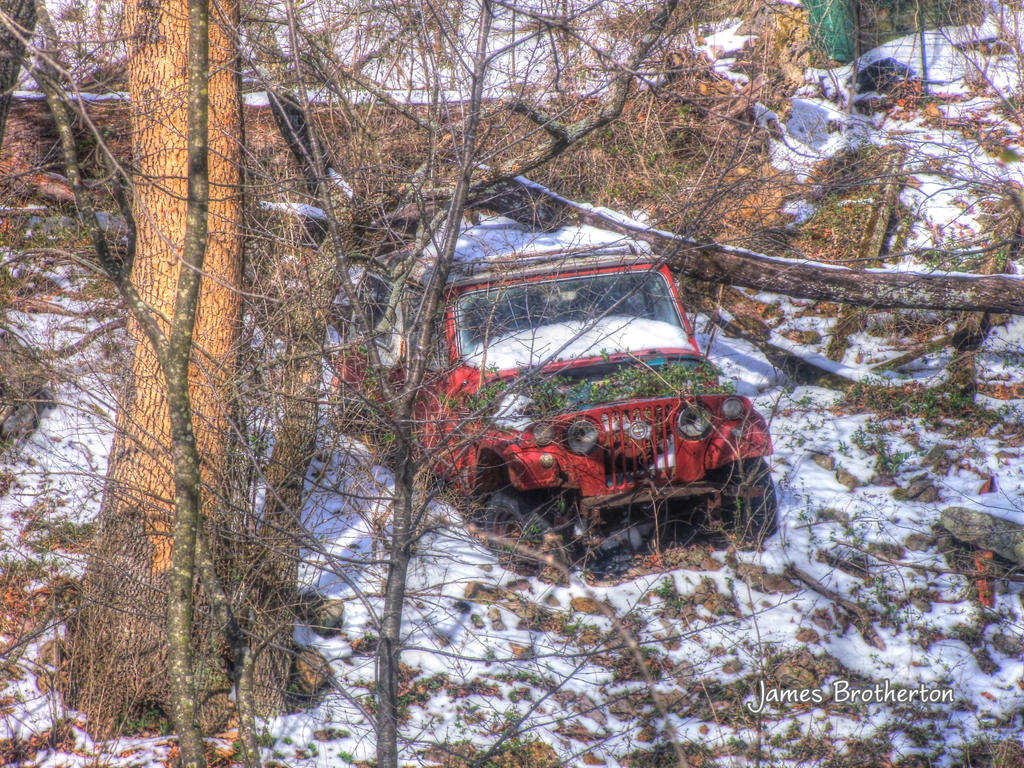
(312, 672)
(886, 550)
(481, 593)
(586, 605)
(919, 542)
(532, 617)
(798, 671)
(732, 667)
(328, 617)
(883, 75)
(922, 489)
(983, 530)
(824, 461)
(833, 515)
(846, 478)
(821, 619)
(922, 603)
(521, 651)
(1008, 645)
(807, 635)
(938, 457)
(757, 577)
(495, 616)
(51, 187)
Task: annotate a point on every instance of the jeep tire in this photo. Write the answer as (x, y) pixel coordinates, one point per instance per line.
(749, 508)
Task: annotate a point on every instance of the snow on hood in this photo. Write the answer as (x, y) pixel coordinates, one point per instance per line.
(497, 236)
(573, 340)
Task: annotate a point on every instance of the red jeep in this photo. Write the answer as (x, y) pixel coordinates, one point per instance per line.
(571, 397)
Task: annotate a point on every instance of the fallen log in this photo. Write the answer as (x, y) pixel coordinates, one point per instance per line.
(803, 279)
(862, 618)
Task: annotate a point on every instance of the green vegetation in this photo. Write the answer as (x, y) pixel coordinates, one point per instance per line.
(873, 438)
(933, 405)
(563, 394)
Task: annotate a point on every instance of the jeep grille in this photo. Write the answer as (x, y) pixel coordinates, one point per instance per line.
(630, 459)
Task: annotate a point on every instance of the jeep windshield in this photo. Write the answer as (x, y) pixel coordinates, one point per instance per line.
(532, 323)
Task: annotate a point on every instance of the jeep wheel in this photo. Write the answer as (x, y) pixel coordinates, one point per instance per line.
(749, 508)
(515, 525)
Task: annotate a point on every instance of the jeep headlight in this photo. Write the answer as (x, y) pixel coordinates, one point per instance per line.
(582, 436)
(544, 434)
(694, 422)
(732, 408)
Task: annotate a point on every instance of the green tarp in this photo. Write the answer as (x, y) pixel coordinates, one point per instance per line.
(832, 27)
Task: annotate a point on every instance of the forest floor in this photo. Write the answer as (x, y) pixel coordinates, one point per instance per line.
(861, 591)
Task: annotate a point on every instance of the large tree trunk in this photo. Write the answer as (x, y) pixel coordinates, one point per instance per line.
(17, 23)
(299, 284)
(118, 641)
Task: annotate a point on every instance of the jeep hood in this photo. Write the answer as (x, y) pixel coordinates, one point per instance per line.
(579, 340)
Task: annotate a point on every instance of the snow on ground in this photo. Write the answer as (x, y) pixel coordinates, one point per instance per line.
(860, 492)
(487, 648)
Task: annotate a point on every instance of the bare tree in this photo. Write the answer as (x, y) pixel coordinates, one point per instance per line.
(17, 24)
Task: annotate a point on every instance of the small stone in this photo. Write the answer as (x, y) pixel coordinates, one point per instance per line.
(921, 603)
(330, 734)
(520, 651)
(757, 577)
(824, 461)
(481, 593)
(477, 621)
(328, 617)
(923, 490)
(519, 585)
(919, 542)
(797, 672)
(1008, 645)
(833, 515)
(882, 479)
(732, 667)
(937, 455)
(312, 672)
(821, 619)
(494, 614)
(585, 605)
(886, 549)
(807, 635)
(845, 478)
